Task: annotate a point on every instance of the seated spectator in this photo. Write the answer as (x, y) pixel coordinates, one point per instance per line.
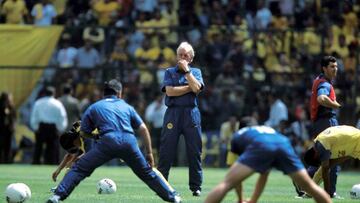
(278, 110)
(263, 16)
(87, 56)
(94, 33)
(119, 57)
(340, 47)
(66, 55)
(14, 11)
(228, 76)
(106, 11)
(43, 13)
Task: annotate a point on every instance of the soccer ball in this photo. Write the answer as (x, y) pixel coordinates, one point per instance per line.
(106, 186)
(355, 192)
(17, 192)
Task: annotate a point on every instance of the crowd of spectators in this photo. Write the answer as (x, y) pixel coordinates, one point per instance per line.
(247, 49)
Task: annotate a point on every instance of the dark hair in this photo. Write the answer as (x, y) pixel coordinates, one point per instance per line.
(112, 87)
(67, 89)
(247, 121)
(67, 141)
(310, 158)
(325, 61)
(49, 91)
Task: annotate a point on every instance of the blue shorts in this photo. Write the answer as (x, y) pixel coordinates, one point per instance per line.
(261, 157)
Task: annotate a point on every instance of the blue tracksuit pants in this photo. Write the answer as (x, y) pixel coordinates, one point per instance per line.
(182, 121)
(109, 146)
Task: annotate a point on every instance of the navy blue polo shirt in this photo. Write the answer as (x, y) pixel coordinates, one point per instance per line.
(174, 77)
(110, 114)
(324, 88)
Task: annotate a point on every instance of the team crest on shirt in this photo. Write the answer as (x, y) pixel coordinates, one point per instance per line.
(169, 126)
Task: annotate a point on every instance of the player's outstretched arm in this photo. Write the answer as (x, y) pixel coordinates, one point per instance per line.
(259, 188)
(144, 132)
(65, 162)
(238, 172)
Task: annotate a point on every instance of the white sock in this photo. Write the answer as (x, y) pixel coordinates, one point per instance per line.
(55, 197)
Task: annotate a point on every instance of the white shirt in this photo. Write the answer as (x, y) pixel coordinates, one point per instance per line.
(278, 112)
(48, 110)
(154, 113)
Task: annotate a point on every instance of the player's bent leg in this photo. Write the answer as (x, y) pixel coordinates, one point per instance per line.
(136, 161)
(80, 170)
(302, 179)
(238, 172)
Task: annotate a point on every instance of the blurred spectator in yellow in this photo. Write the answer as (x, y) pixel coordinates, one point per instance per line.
(340, 47)
(7, 127)
(255, 44)
(14, 11)
(227, 129)
(106, 11)
(279, 22)
(60, 6)
(217, 27)
(350, 18)
(44, 13)
(94, 33)
(119, 57)
(350, 60)
(159, 24)
(143, 23)
(169, 13)
(240, 28)
(311, 40)
(228, 76)
(146, 52)
(165, 50)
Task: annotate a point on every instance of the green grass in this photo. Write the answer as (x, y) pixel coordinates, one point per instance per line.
(131, 189)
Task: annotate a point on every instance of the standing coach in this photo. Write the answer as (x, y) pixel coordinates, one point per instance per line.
(182, 84)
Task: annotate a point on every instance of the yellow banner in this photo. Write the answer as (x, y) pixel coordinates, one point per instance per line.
(23, 47)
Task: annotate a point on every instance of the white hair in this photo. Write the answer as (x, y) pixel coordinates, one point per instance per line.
(187, 47)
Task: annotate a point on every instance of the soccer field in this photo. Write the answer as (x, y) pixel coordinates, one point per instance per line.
(131, 189)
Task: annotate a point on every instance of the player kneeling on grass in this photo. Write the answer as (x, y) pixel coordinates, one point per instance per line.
(261, 148)
(332, 146)
(114, 119)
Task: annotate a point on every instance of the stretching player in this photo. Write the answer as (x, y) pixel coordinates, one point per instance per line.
(333, 146)
(114, 119)
(253, 143)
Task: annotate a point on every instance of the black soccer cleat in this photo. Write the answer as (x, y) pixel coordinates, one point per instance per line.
(196, 193)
